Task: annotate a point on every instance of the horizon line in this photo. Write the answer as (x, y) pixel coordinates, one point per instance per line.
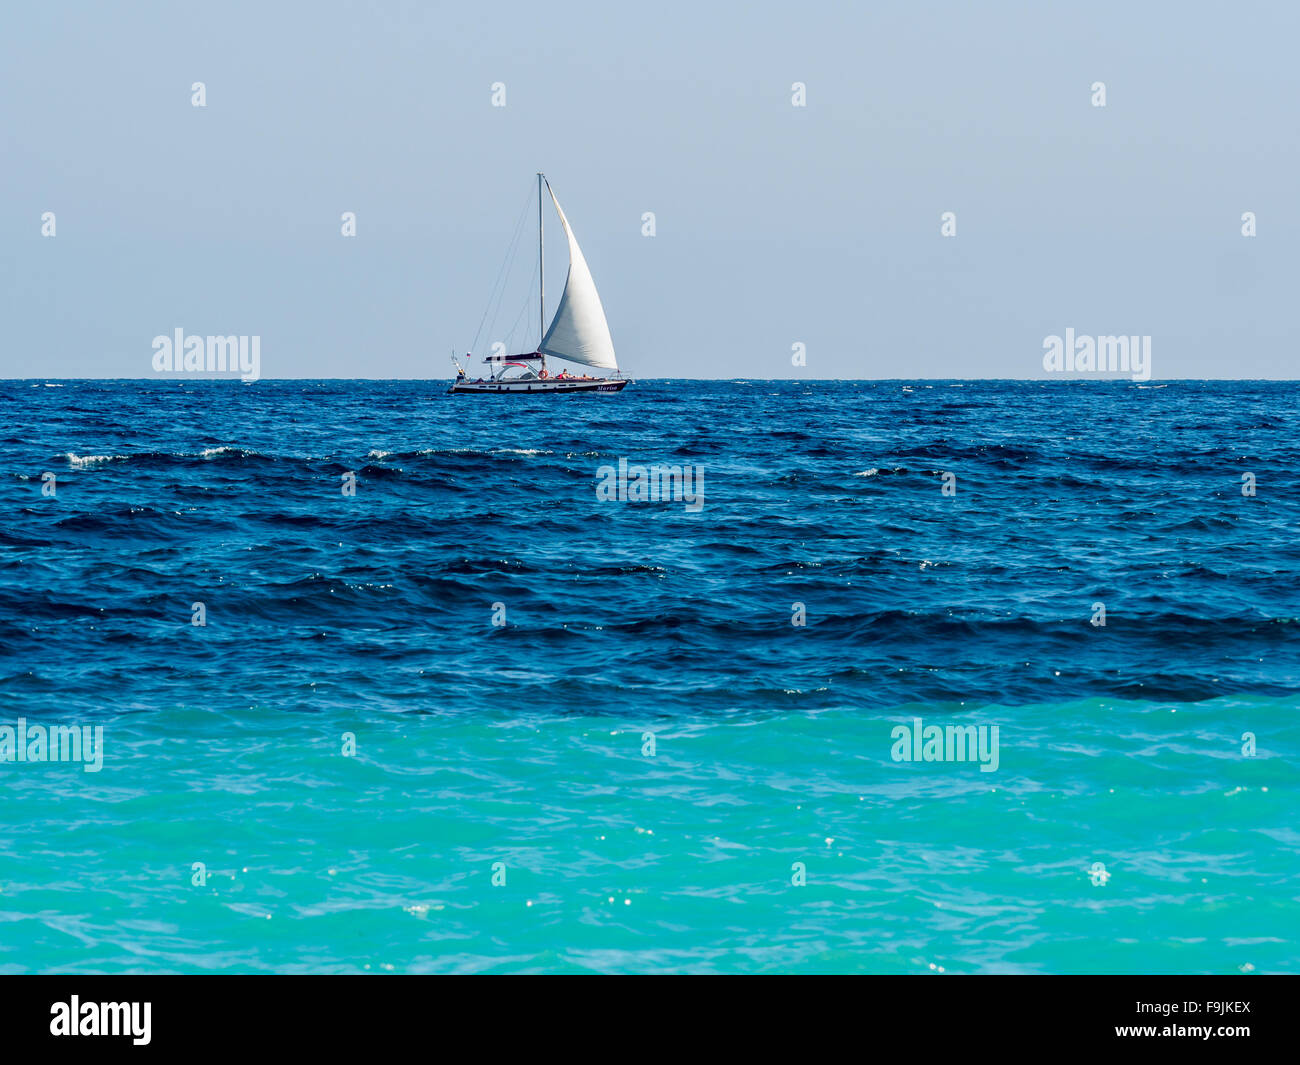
(1077, 378)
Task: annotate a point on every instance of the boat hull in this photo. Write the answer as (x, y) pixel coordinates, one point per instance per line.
(554, 386)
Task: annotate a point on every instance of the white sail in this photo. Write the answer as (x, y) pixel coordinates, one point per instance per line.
(578, 332)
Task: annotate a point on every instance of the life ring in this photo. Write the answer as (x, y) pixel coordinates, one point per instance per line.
(542, 376)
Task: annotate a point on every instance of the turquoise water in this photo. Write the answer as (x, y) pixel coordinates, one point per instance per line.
(502, 809)
(677, 862)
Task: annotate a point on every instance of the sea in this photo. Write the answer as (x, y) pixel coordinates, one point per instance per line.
(927, 677)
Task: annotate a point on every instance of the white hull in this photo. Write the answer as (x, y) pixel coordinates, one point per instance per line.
(551, 386)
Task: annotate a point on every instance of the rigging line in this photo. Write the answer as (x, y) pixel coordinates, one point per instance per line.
(528, 302)
(501, 294)
(510, 254)
(505, 267)
(498, 288)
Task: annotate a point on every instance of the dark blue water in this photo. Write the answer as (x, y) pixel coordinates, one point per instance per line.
(373, 614)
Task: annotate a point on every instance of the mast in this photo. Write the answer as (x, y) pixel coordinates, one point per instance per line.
(541, 270)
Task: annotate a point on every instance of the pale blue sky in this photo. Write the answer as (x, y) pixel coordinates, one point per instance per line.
(775, 224)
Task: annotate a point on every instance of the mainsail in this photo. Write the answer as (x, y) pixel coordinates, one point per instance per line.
(579, 332)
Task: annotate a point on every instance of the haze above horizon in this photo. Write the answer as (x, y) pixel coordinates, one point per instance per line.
(774, 225)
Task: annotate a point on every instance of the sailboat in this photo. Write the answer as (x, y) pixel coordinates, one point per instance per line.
(578, 333)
